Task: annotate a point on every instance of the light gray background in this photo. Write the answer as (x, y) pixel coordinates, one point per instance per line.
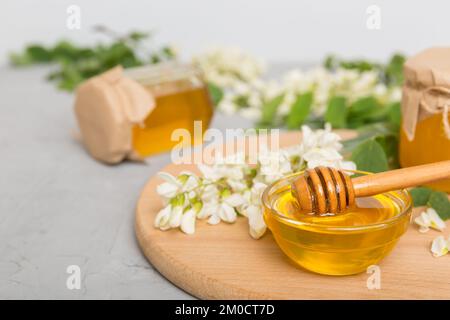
(59, 207)
(277, 30)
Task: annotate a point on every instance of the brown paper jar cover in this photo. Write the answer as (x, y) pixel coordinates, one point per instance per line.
(426, 90)
(107, 106)
(425, 137)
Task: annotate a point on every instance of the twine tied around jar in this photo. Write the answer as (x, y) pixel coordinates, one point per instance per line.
(421, 103)
(437, 107)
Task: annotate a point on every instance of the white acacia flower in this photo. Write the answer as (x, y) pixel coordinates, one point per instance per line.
(207, 210)
(257, 226)
(273, 164)
(255, 101)
(321, 138)
(271, 90)
(227, 107)
(188, 221)
(210, 193)
(224, 210)
(229, 65)
(395, 94)
(170, 216)
(440, 246)
(170, 188)
(174, 185)
(163, 217)
(321, 156)
(252, 113)
(429, 219)
(229, 168)
(252, 209)
(321, 148)
(175, 216)
(232, 185)
(240, 75)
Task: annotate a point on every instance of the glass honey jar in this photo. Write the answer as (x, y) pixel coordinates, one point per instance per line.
(134, 113)
(425, 133)
(181, 97)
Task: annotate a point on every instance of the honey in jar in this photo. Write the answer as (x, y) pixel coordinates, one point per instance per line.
(181, 97)
(131, 114)
(425, 132)
(336, 244)
(430, 144)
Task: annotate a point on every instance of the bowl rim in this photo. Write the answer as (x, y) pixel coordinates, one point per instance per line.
(282, 218)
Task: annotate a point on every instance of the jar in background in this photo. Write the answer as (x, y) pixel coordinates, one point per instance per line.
(425, 133)
(131, 114)
(181, 97)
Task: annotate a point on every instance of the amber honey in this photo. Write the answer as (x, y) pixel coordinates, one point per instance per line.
(337, 244)
(430, 144)
(181, 98)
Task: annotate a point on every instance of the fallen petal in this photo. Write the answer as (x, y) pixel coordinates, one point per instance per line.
(439, 247)
(435, 220)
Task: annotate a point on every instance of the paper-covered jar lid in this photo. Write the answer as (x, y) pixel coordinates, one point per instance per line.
(426, 90)
(107, 107)
(430, 67)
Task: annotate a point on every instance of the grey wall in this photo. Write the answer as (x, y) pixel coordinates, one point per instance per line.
(276, 30)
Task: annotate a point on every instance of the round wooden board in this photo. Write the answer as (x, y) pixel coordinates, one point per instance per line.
(224, 262)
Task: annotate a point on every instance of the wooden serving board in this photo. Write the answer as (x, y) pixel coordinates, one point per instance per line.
(224, 262)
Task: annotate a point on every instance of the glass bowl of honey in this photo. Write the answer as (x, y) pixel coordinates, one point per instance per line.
(336, 244)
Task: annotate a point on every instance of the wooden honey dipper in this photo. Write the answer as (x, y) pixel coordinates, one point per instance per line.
(328, 190)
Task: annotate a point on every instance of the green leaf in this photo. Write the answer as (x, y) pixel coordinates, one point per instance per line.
(439, 202)
(168, 52)
(364, 108)
(369, 156)
(241, 101)
(77, 63)
(360, 65)
(420, 196)
(395, 114)
(39, 53)
(215, 92)
(269, 109)
(330, 62)
(299, 110)
(138, 36)
(394, 70)
(65, 50)
(389, 143)
(336, 113)
(20, 60)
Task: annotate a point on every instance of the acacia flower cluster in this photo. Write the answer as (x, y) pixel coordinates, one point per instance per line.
(231, 187)
(245, 91)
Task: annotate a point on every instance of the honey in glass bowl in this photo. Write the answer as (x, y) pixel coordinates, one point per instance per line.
(181, 97)
(336, 244)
